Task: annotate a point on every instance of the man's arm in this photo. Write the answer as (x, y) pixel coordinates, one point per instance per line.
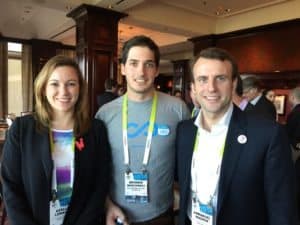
(279, 180)
(113, 212)
(16, 203)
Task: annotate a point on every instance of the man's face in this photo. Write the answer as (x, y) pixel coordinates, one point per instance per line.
(291, 99)
(213, 86)
(140, 70)
(250, 93)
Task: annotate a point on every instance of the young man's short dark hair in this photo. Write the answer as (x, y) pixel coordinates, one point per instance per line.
(142, 41)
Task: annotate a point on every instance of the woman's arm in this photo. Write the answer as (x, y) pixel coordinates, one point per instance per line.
(15, 200)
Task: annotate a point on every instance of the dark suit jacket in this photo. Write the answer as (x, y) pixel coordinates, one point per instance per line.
(27, 170)
(293, 126)
(265, 108)
(105, 98)
(256, 185)
(249, 107)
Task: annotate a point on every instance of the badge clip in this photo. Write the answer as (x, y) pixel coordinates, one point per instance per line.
(54, 195)
(144, 170)
(128, 170)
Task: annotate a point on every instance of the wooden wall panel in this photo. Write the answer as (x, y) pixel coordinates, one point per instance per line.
(265, 51)
(271, 51)
(42, 51)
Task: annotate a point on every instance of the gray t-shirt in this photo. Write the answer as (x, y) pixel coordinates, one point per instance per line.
(170, 111)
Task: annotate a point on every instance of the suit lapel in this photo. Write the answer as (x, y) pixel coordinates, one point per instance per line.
(233, 149)
(80, 151)
(191, 134)
(43, 140)
(79, 147)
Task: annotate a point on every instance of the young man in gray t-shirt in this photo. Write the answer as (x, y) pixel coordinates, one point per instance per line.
(143, 165)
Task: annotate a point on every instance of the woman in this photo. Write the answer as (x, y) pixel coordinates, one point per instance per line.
(270, 95)
(56, 162)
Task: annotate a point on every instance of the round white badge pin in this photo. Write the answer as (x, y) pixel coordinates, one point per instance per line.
(242, 139)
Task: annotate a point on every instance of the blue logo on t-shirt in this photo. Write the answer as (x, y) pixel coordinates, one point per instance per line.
(159, 129)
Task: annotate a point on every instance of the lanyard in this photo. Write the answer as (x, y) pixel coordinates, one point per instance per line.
(150, 129)
(194, 112)
(217, 171)
(54, 179)
(52, 142)
(197, 143)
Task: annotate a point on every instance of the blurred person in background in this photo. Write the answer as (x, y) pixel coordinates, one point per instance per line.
(109, 94)
(253, 92)
(269, 94)
(293, 119)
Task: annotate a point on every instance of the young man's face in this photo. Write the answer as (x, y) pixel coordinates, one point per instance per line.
(140, 70)
(213, 86)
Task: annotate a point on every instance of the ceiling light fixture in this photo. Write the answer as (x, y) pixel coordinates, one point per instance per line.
(68, 8)
(222, 11)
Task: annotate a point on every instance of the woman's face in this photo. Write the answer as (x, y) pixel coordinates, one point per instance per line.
(270, 95)
(62, 89)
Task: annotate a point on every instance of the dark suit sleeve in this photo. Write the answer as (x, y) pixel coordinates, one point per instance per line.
(293, 126)
(18, 209)
(95, 205)
(176, 155)
(279, 180)
(185, 138)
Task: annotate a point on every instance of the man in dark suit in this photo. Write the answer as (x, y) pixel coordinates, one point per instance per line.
(110, 86)
(237, 96)
(293, 119)
(293, 130)
(232, 168)
(253, 92)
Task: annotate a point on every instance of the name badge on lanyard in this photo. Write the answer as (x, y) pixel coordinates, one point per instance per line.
(60, 198)
(136, 187)
(137, 183)
(57, 212)
(202, 214)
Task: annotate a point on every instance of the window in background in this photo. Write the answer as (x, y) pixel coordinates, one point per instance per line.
(15, 102)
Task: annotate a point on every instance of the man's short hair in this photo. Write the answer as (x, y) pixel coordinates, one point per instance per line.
(251, 82)
(296, 93)
(141, 41)
(218, 54)
(239, 86)
(109, 84)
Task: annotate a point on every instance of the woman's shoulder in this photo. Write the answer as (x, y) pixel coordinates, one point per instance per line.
(24, 121)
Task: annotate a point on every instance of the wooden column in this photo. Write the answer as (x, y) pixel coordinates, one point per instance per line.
(181, 77)
(96, 46)
(42, 51)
